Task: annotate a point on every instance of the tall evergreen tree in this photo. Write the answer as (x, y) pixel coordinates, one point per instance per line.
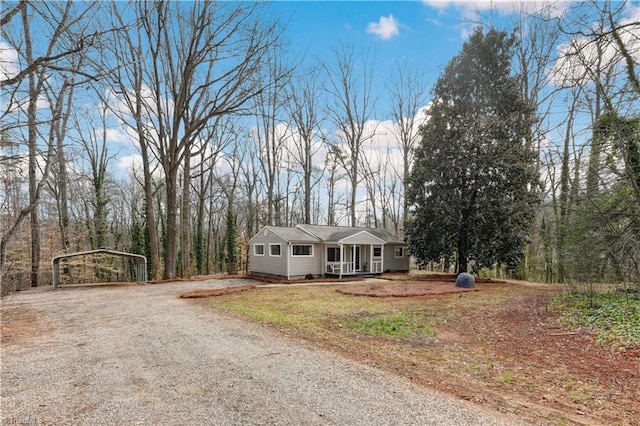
(472, 187)
(231, 241)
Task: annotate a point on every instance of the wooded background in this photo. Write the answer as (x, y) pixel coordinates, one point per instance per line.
(233, 132)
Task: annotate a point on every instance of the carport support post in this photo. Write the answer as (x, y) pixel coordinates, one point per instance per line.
(55, 269)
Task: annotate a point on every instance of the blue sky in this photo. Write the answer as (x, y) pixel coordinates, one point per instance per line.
(421, 35)
(425, 35)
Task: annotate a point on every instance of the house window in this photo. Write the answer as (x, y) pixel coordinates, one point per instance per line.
(333, 254)
(258, 249)
(399, 251)
(303, 250)
(275, 250)
(377, 251)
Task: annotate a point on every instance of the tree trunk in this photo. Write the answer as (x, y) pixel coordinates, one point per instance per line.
(185, 219)
(63, 205)
(152, 231)
(171, 224)
(33, 167)
(463, 242)
(562, 224)
(354, 189)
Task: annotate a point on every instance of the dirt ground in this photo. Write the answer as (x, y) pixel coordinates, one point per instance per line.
(535, 368)
(125, 355)
(547, 368)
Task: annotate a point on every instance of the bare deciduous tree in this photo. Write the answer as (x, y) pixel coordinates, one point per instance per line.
(350, 106)
(408, 98)
(204, 61)
(271, 137)
(304, 111)
(59, 26)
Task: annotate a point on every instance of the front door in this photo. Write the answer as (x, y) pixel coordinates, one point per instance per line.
(355, 257)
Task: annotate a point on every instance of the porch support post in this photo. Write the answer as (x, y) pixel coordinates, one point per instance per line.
(370, 257)
(353, 258)
(341, 259)
(382, 259)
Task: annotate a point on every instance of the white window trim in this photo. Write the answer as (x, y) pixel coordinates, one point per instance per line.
(254, 249)
(275, 244)
(395, 252)
(301, 255)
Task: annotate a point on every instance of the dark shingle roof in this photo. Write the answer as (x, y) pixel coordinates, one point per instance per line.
(294, 234)
(336, 233)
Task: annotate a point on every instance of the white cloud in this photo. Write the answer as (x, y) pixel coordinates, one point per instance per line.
(130, 162)
(472, 12)
(470, 9)
(118, 135)
(578, 58)
(386, 28)
(8, 61)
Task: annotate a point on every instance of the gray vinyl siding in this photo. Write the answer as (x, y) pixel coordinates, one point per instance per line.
(391, 262)
(267, 264)
(303, 265)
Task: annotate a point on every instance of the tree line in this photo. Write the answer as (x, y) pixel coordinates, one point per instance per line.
(231, 131)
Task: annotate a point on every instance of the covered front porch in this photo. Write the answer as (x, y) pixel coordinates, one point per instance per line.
(360, 254)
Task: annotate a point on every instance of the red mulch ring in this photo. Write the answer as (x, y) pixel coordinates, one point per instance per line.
(432, 277)
(403, 289)
(211, 292)
(280, 280)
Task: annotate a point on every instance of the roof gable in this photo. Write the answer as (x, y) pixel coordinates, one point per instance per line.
(362, 237)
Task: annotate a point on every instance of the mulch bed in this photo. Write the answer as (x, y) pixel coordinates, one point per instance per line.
(411, 285)
(403, 289)
(211, 292)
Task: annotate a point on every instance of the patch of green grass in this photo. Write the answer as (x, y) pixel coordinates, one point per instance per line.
(614, 316)
(265, 315)
(506, 378)
(391, 325)
(316, 311)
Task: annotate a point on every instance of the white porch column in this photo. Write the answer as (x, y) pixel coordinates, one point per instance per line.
(353, 258)
(341, 259)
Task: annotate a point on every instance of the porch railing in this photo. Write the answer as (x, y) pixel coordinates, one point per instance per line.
(346, 268)
(376, 266)
(333, 268)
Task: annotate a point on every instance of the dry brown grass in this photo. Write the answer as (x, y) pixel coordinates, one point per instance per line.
(501, 346)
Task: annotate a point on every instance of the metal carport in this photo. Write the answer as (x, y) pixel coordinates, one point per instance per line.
(140, 263)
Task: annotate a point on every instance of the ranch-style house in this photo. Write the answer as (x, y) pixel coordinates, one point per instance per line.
(318, 250)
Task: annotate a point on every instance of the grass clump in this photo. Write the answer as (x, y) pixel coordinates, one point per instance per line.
(391, 325)
(614, 316)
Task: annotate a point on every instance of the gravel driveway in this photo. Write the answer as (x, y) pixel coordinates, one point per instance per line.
(140, 355)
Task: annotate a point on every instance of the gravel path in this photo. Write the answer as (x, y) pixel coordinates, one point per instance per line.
(140, 355)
